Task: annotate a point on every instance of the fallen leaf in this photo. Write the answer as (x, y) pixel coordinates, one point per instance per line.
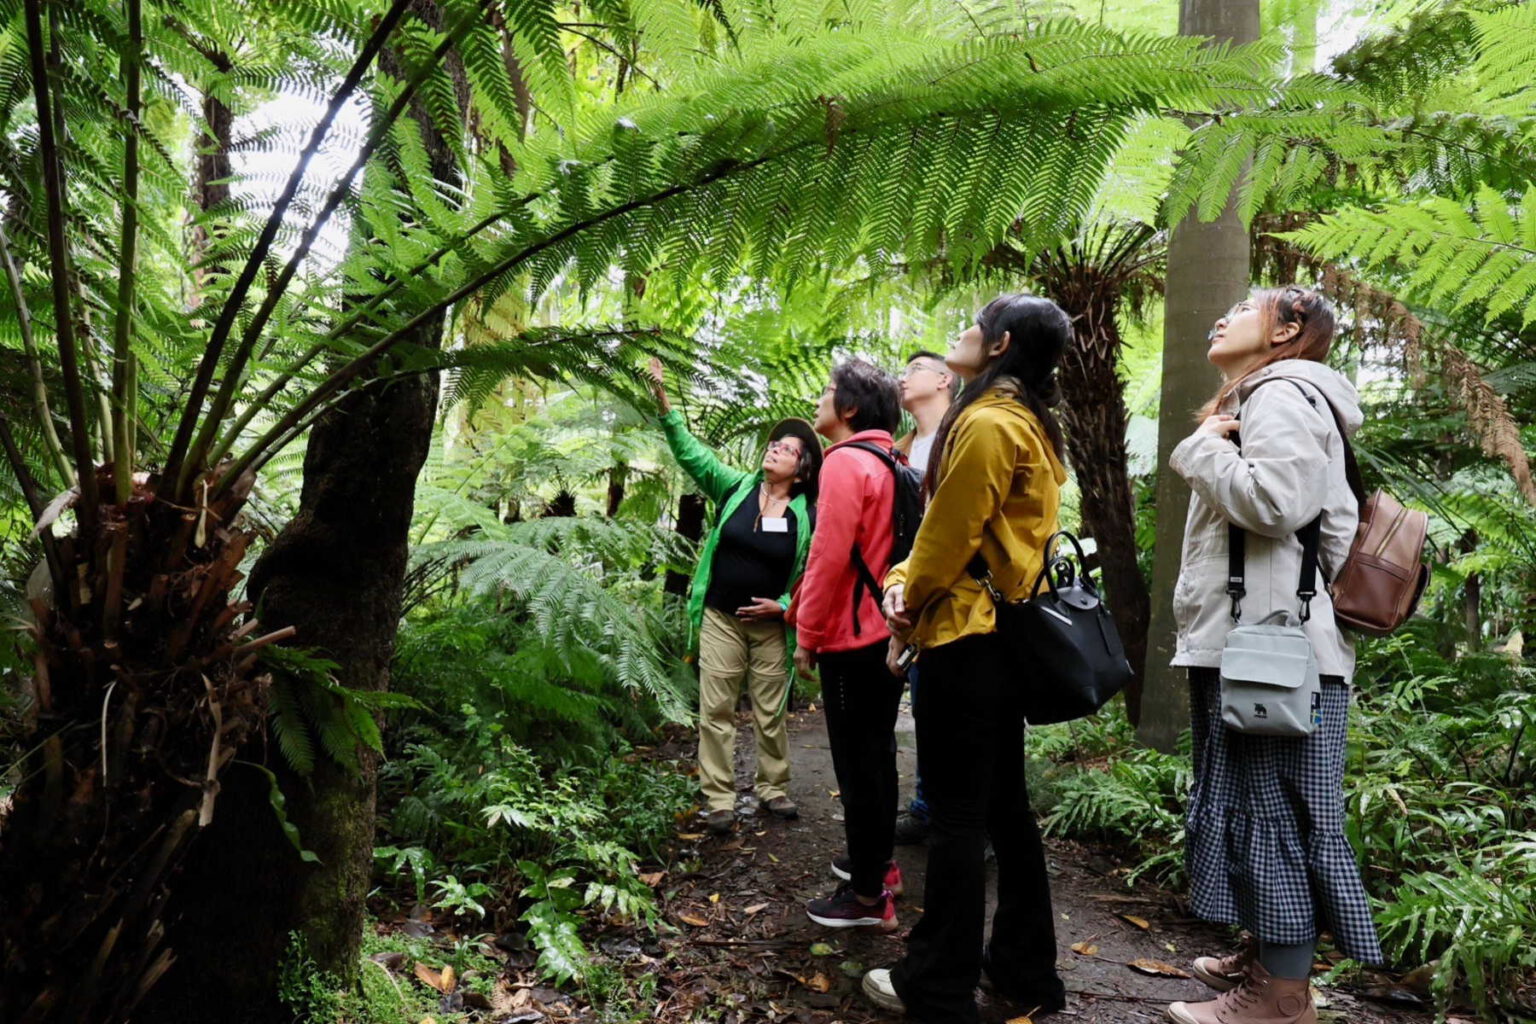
(689, 837)
(653, 878)
(1020, 1020)
(450, 980)
(1156, 968)
(430, 977)
(1139, 922)
(757, 908)
(818, 982)
(429, 1020)
(851, 968)
(1085, 948)
(693, 919)
(773, 858)
(820, 949)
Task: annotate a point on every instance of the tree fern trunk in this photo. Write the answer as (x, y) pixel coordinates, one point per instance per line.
(144, 689)
(1207, 272)
(1095, 417)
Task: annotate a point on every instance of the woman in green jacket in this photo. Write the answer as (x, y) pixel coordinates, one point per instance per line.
(750, 562)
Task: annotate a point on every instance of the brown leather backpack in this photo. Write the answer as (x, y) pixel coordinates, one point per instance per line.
(1382, 579)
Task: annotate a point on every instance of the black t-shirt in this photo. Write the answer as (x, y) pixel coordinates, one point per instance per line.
(749, 561)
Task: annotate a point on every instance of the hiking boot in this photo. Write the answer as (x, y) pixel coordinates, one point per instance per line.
(842, 867)
(879, 990)
(1259, 999)
(720, 822)
(844, 909)
(1225, 973)
(910, 829)
(780, 807)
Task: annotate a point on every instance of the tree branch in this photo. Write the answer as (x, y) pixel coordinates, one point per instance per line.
(125, 404)
(58, 253)
(234, 373)
(232, 305)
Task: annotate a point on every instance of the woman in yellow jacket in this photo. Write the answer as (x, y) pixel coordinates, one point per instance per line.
(995, 486)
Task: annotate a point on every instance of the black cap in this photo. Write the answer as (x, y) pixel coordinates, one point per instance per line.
(809, 440)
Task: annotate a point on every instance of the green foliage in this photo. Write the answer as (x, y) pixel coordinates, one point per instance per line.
(311, 995)
(310, 708)
(1447, 255)
(382, 998)
(1105, 788)
(549, 844)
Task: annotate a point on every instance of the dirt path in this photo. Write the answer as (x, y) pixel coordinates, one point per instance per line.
(744, 950)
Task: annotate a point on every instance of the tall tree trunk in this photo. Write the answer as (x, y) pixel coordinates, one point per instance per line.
(690, 524)
(1095, 417)
(1207, 273)
(336, 573)
(618, 477)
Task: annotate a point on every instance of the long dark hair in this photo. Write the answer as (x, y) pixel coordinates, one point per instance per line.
(1039, 332)
(1289, 304)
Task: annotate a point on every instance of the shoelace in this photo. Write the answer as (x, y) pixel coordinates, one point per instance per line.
(1245, 995)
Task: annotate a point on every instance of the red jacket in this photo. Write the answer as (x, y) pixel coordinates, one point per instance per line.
(857, 491)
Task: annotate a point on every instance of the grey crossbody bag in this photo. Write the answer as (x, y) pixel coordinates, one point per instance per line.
(1269, 679)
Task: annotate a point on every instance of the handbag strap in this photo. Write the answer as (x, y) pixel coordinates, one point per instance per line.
(979, 571)
(1306, 588)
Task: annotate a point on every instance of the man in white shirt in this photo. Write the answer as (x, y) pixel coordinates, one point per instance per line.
(927, 388)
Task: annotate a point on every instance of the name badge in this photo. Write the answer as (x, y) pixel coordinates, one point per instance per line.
(775, 524)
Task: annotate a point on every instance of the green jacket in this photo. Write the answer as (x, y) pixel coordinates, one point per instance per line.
(723, 486)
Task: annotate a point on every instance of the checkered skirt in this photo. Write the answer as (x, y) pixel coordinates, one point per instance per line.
(1265, 843)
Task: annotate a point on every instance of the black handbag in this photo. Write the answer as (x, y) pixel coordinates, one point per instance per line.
(1069, 655)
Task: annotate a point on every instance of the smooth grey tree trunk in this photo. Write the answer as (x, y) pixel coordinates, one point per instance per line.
(1208, 270)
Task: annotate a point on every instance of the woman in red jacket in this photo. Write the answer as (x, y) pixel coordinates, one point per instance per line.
(840, 628)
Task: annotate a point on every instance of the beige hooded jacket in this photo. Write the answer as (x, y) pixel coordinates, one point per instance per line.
(1290, 467)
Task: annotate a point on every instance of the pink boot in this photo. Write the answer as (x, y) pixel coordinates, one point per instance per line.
(1259, 999)
(1224, 973)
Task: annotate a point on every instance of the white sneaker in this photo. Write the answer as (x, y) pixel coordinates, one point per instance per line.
(879, 990)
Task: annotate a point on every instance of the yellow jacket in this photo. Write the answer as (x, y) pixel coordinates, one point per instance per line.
(999, 493)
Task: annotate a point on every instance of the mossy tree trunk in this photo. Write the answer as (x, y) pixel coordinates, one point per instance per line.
(337, 574)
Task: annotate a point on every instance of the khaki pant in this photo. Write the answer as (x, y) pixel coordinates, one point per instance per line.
(732, 650)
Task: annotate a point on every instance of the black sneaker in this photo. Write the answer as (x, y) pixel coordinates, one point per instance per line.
(910, 829)
(842, 867)
(843, 909)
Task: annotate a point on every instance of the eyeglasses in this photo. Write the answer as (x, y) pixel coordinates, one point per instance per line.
(784, 448)
(917, 368)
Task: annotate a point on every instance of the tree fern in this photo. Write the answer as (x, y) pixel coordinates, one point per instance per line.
(1448, 255)
(551, 570)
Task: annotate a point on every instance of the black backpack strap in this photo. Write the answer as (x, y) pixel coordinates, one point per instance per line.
(866, 583)
(874, 449)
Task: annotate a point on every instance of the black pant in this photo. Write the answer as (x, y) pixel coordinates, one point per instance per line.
(861, 698)
(970, 728)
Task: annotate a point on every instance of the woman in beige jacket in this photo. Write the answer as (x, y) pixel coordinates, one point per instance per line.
(1265, 833)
